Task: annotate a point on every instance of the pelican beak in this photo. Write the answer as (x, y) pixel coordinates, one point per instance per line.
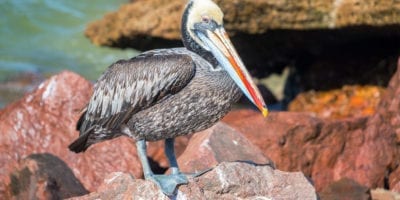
(221, 47)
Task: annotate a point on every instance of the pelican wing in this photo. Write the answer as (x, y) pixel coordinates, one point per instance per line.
(129, 86)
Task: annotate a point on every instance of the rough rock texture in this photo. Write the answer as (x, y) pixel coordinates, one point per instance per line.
(324, 150)
(236, 180)
(326, 44)
(364, 149)
(345, 189)
(217, 144)
(381, 194)
(43, 176)
(45, 121)
(298, 141)
(349, 101)
(161, 18)
(389, 116)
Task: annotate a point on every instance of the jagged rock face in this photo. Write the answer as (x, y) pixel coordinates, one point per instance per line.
(364, 149)
(233, 180)
(220, 143)
(325, 150)
(389, 114)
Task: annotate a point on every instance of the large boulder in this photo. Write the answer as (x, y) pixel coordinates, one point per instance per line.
(233, 180)
(44, 121)
(364, 149)
(220, 143)
(161, 18)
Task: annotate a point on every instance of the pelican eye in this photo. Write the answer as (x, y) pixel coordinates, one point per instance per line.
(205, 19)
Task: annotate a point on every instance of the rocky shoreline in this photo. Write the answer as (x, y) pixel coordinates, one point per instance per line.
(340, 144)
(362, 150)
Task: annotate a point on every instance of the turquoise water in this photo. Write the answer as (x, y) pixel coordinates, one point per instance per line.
(46, 36)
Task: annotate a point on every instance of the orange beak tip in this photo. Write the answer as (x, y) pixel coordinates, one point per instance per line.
(264, 112)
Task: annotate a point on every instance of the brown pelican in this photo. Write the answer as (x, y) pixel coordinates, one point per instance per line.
(165, 93)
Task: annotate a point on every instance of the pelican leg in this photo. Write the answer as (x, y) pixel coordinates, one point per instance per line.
(167, 183)
(176, 175)
(170, 153)
(142, 153)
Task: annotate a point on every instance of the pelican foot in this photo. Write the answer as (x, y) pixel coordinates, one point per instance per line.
(168, 183)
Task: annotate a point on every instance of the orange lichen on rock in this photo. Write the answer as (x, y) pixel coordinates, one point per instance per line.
(350, 101)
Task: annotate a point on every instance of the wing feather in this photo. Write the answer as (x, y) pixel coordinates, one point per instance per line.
(129, 86)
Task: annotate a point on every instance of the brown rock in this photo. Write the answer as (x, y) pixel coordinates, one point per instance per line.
(45, 121)
(349, 101)
(217, 144)
(43, 176)
(345, 189)
(236, 180)
(161, 18)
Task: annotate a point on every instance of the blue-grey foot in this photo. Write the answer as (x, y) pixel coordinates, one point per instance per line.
(168, 183)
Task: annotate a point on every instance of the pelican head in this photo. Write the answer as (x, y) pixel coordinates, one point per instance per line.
(203, 33)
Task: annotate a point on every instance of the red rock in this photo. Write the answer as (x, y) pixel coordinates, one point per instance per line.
(232, 180)
(217, 144)
(43, 176)
(45, 121)
(389, 115)
(394, 180)
(325, 150)
(365, 150)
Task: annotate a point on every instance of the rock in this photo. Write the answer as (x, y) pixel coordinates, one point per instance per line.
(43, 176)
(326, 44)
(345, 189)
(161, 18)
(45, 121)
(394, 177)
(350, 101)
(387, 126)
(381, 194)
(325, 150)
(217, 144)
(364, 149)
(234, 180)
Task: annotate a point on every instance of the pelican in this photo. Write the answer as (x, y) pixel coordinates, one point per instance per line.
(165, 93)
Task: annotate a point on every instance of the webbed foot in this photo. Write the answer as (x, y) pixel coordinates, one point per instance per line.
(168, 183)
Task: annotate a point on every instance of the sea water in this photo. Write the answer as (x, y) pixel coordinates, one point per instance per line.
(46, 36)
